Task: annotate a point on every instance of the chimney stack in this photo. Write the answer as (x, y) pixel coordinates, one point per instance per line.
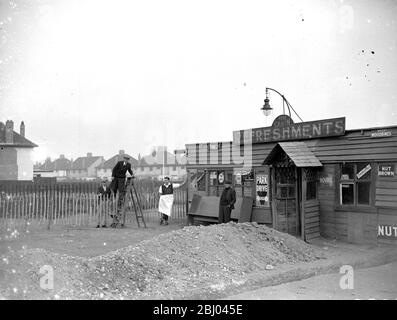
(9, 131)
(22, 129)
(89, 155)
(62, 156)
(121, 152)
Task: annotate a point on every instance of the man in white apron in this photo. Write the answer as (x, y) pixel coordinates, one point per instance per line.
(166, 199)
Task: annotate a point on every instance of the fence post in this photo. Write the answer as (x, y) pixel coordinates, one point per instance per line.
(50, 207)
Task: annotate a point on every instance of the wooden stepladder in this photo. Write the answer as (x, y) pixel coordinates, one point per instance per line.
(131, 196)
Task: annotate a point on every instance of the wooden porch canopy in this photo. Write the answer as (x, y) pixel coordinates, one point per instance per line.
(298, 152)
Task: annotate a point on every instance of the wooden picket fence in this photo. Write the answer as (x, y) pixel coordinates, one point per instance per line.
(21, 210)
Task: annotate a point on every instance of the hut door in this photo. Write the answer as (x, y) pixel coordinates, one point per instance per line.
(287, 200)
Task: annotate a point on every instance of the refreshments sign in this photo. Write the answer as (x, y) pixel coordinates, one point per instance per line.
(284, 129)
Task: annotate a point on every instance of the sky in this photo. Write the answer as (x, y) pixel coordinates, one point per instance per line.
(100, 76)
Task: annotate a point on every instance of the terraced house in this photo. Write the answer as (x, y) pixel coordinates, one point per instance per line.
(161, 163)
(104, 171)
(84, 168)
(59, 168)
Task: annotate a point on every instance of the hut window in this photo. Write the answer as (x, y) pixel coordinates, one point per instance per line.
(311, 184)
(311, 190)
(355, 184)
(201, 181)
(347, 193)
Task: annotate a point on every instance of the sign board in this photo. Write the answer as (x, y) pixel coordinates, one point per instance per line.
(213, 175)
(363, 171)
(284, 129)
(262, 189)
(387, 232)
(386, 170)
(238, 179)
(381, 133)
(221, 177)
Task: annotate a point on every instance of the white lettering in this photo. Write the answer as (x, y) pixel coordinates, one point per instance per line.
(47, 281)
(388, 231)
(347, 280)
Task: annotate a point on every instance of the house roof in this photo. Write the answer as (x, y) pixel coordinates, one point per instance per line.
(58, 164)
(298, 152)
(18, 140)
(110, 163)
(47, 165)
(62, 164)
(83, 163)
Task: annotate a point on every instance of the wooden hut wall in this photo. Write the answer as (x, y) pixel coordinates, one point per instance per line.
(386, 201)
(333, 223)
(353, 224)
(355, 145)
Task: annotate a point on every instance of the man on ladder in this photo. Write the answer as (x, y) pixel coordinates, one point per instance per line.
(119, 183)
(131, 201)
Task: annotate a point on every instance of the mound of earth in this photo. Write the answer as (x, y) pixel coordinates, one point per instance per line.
(168, 266)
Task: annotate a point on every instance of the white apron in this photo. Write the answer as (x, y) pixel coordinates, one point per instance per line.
(165, 204)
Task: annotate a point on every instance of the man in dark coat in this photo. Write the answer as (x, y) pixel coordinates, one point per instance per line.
(119, 173)
(104, 194)
(226, 203)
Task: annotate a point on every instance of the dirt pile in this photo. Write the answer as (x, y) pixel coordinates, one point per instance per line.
(171, 265)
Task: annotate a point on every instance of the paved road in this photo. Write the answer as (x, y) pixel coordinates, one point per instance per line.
(372, 283)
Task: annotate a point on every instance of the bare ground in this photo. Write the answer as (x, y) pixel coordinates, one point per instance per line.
(164, 262)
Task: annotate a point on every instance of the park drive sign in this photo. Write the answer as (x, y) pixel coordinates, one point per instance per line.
(284, 129)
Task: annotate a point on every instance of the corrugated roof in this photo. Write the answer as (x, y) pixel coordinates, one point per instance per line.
(298, 152)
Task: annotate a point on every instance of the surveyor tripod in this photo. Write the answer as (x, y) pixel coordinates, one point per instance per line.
(130, 197)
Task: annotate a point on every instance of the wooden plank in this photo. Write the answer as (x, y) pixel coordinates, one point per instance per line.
(385, 204)
(383, 191)
(312, 219)
(311, 204)
(366, 157)
(204, 219)
(386, 184)
(312, 224)
(387, 219)
(313, 229)
(262, 215)
(389, 198)
(365, 150)
(387, 211)
(386, 241)
(345, 141)
(312, 236)
(312, 214)
(356, 144)
(311, 210)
